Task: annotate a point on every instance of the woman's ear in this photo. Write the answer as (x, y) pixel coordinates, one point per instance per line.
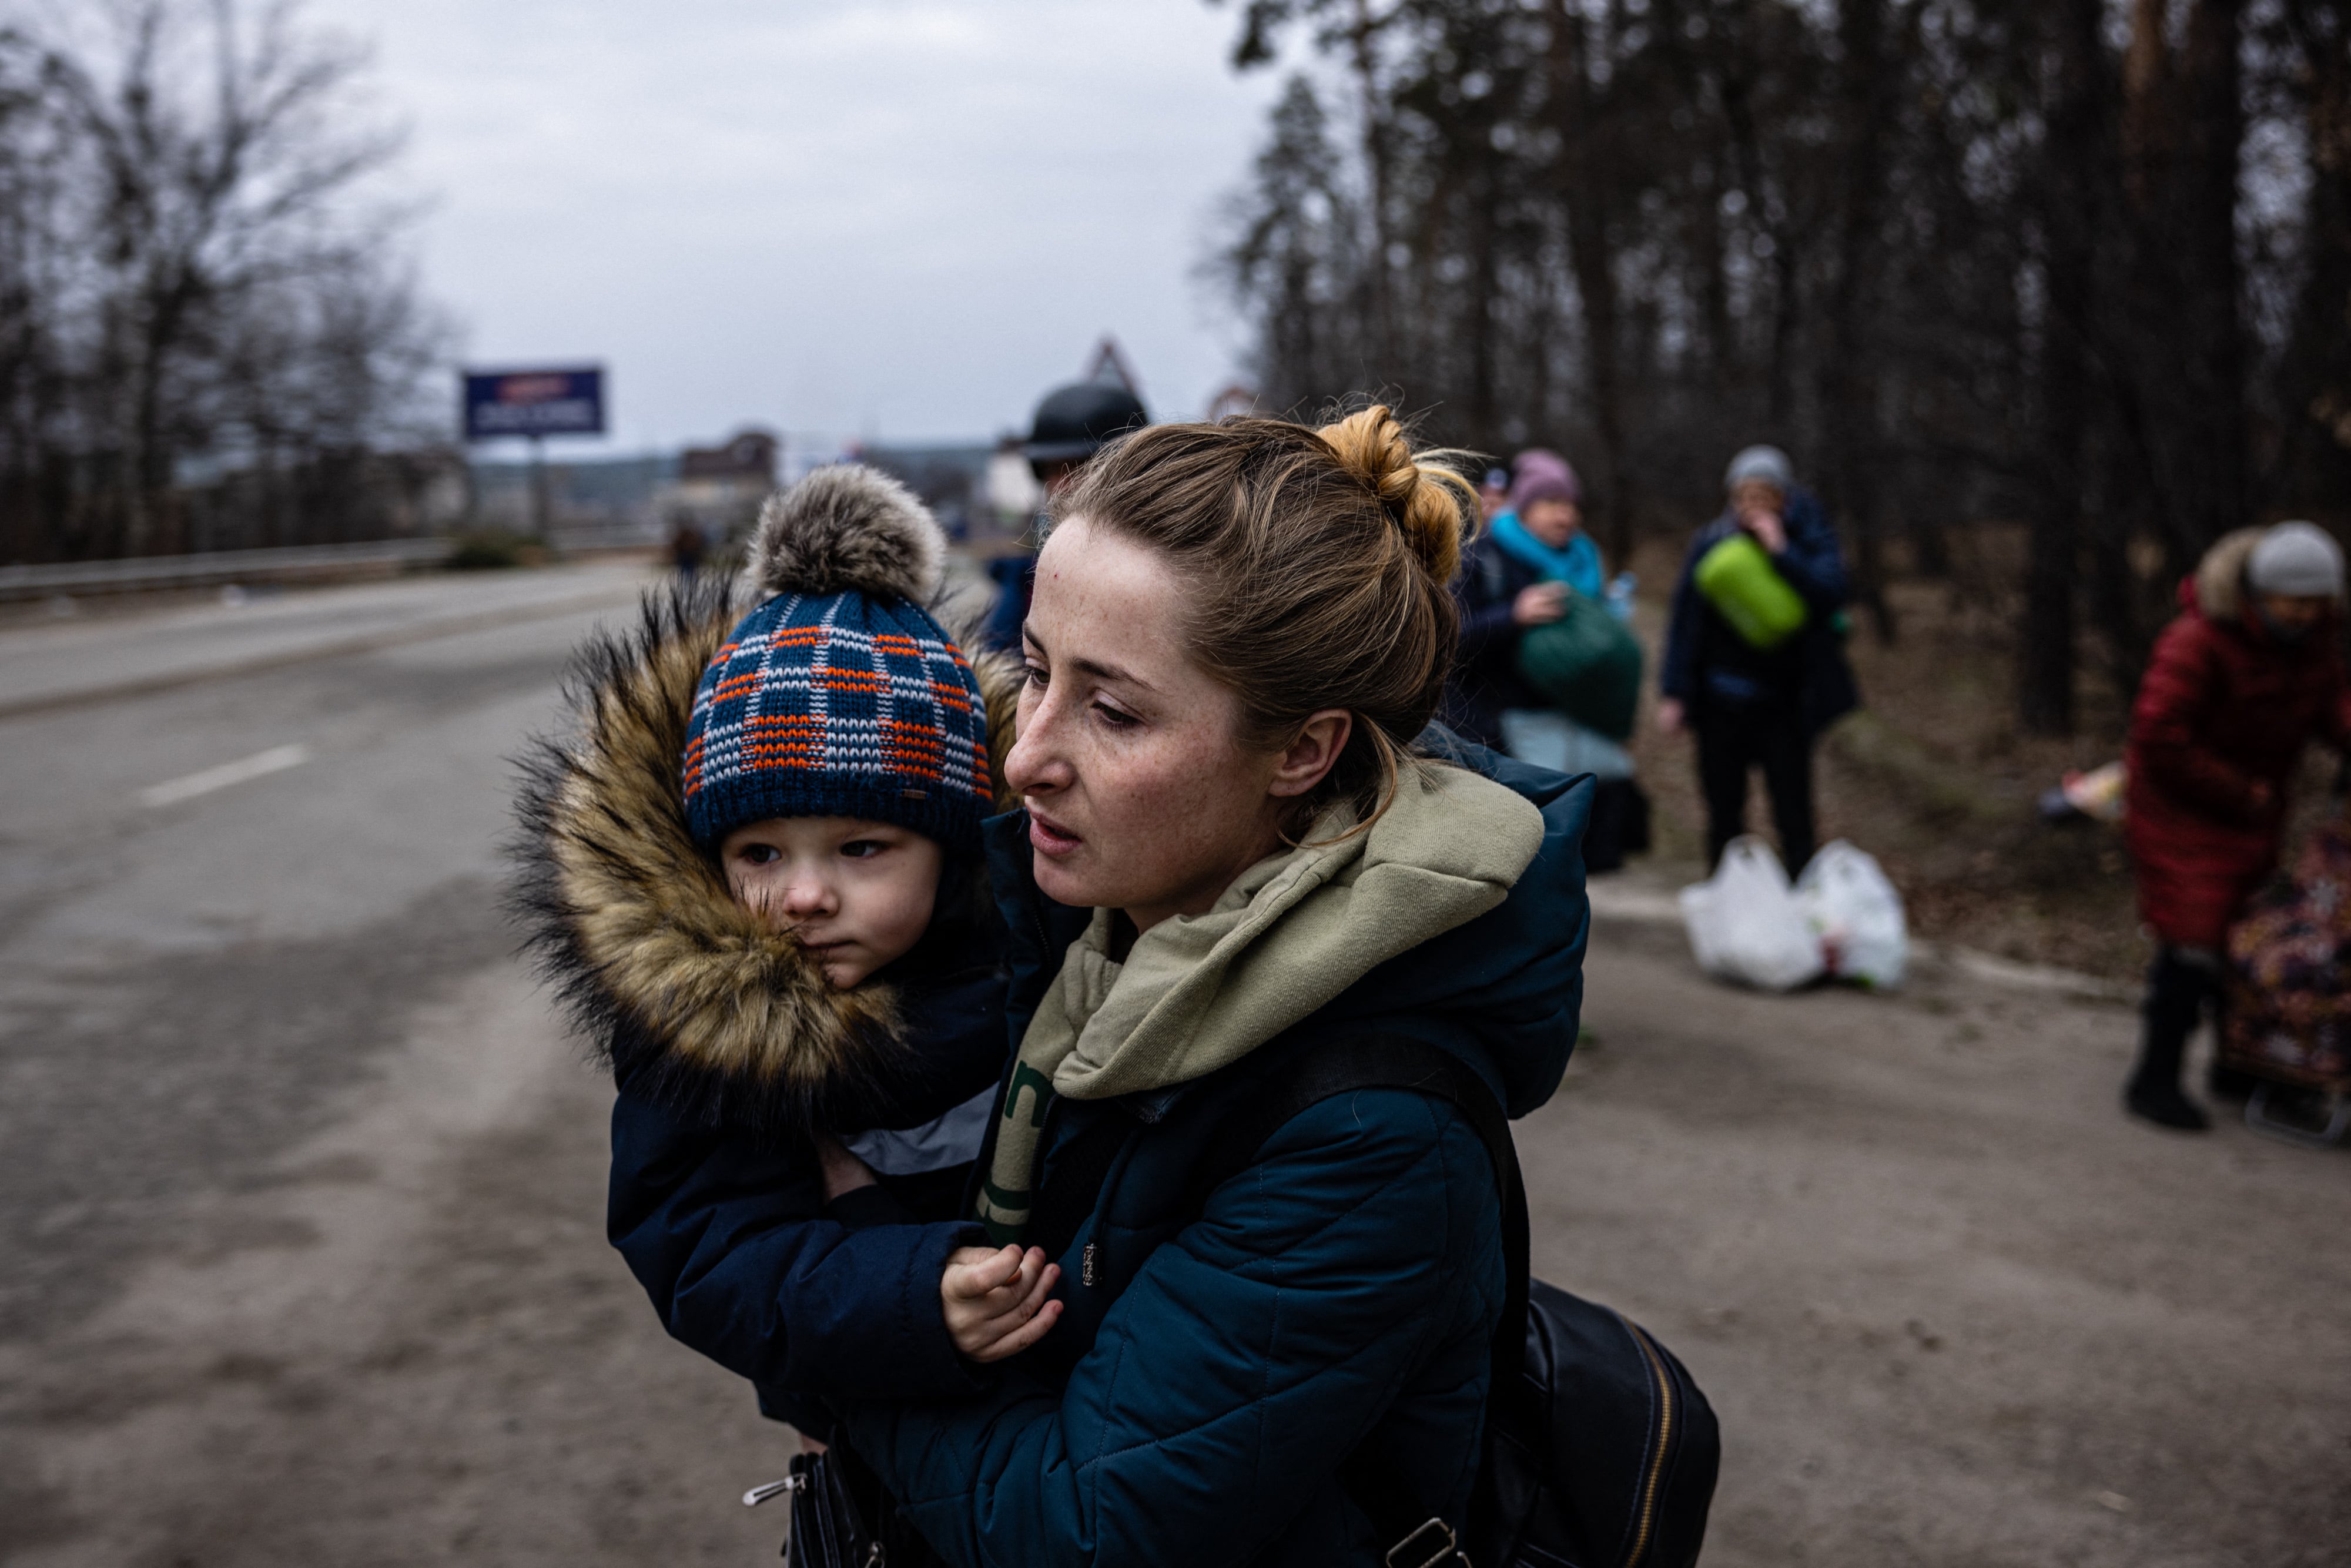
(1313, 753)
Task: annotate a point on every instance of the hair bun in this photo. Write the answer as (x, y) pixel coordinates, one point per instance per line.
(1428, 502)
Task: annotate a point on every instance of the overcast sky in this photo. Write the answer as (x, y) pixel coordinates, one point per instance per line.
(894, 218)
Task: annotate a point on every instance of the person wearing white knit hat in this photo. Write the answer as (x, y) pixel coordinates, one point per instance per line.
(2246, 676)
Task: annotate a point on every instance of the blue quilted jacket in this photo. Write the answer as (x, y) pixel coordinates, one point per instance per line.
(1212, 1369)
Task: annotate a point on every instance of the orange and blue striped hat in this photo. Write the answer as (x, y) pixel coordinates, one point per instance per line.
(838, 705)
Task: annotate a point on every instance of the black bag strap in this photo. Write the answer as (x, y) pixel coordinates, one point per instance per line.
(1341, 1066)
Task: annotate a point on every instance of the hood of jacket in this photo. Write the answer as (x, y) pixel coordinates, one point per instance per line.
(2217, 586)
(689, 997)
(2216, 590)
(1196, 993)
(1508, 984)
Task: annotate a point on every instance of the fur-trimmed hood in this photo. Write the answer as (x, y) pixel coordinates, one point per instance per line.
(688, 995)
(2219, 583)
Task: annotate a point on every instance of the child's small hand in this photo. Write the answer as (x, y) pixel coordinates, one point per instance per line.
(993, 1299)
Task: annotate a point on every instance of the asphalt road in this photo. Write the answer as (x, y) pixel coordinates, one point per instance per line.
(300, 1182)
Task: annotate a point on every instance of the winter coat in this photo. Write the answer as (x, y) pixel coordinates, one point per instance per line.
(1214, 1366)
(1708, 664)
(1485, 679)
(2223, 705)
(729, 1047)
(1015, 577)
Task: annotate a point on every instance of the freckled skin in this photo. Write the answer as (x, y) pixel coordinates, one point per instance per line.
(857, 893)
(1140, 795)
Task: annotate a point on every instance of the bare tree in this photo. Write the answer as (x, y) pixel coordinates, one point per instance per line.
(1966, 258)
(223, 295)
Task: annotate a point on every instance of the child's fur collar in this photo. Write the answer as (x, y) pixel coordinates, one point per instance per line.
(683, 991)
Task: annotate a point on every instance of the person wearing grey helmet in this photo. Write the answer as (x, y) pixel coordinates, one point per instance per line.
(1757, 685)
(2248, 673)
(1070, 426)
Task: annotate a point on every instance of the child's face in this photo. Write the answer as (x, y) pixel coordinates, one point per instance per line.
(856, 894)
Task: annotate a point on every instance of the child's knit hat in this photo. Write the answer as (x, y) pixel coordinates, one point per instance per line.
(838, 695)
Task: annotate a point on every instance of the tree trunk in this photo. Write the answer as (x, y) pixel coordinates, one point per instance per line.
(2072, 185)
(1779, 372)
(1364, 41)
(1485, 294)
(2222, 500)
(1867, 81)
(1586, 165)
(2183, 130)
(2315, 455)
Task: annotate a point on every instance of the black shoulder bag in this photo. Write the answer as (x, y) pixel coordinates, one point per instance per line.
(1599, 1450)
(841, 1517)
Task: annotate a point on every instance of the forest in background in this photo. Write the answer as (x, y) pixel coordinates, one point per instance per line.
(2081, 269)
(209, 336)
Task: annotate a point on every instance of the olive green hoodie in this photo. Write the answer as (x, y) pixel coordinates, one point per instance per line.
(1199, 992)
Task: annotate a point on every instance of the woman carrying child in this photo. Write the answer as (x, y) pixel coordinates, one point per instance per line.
(1231, 852)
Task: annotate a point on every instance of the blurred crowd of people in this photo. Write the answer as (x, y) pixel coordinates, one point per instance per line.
(1547, 670)
(1752, 668)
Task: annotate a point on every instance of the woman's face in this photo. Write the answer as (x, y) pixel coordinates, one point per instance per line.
(1553, 520)
(1141, 795)
(1751, 497)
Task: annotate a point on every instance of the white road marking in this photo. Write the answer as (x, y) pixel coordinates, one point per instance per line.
(277, 759)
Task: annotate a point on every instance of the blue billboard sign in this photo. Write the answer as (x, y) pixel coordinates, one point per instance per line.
(534, 403)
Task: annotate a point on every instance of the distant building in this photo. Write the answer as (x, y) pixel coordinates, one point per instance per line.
(605, 499)
(722, 484)
(951, 480)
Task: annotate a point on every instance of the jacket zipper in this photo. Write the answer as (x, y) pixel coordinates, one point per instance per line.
(1657, 1465)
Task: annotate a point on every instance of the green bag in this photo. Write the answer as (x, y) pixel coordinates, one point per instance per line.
(1738, 579)
(1587, 665)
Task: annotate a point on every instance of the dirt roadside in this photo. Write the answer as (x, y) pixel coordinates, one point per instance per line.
(415, 1348)
(1951, 1307)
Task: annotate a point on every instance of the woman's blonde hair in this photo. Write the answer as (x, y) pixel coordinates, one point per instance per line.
(1319, 560)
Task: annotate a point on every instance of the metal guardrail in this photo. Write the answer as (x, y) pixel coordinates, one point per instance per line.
(19, 583)
(575, 538)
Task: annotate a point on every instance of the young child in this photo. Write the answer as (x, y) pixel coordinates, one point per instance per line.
(755, 877)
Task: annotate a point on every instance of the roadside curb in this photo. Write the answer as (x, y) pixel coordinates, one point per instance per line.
(1612, 902)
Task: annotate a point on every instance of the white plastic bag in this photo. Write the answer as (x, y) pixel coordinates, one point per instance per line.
(1745, 925)
(1856, 914)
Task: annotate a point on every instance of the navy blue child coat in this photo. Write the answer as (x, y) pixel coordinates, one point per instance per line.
(731, 1050)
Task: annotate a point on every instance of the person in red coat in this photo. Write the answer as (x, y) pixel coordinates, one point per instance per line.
(2248, 675)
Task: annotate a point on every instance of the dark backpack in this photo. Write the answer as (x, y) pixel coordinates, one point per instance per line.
(1599, 1450)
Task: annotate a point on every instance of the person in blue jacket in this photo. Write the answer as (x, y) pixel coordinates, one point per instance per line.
(754, 875)
(1518, 573)
(1754, 707)
(1231, 848)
